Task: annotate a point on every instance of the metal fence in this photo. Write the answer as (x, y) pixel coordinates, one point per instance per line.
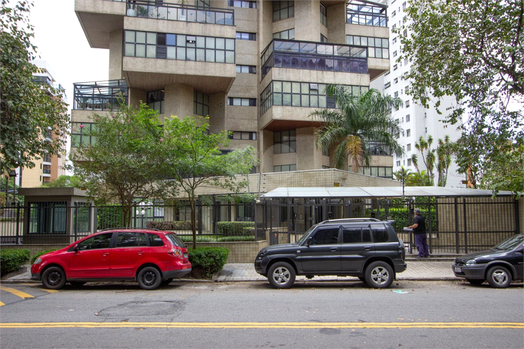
(455, 225)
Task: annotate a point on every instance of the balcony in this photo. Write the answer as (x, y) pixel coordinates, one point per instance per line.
(361, 12)
(100, 95)
(314, 56)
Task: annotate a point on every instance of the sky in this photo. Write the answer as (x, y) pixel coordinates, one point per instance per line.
(61, 42)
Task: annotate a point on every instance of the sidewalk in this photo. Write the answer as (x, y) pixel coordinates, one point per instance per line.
(416, 270)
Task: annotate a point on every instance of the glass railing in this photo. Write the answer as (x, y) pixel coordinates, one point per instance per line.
(314, 56)
(180, 12)
(100, 95)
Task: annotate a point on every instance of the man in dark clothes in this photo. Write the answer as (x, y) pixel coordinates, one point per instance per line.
(419, 229)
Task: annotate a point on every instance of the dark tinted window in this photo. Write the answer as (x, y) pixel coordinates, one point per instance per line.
(380, 234)
(175, 240)
(96, 242)
(325, 237)
(130, 239)
(356, 235)
(155, 240)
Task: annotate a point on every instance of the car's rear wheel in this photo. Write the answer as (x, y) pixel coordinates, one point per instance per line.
(379, 275)
(53, 278)
(149, 278)
(281, 275)
(475, 281)
(499, 277)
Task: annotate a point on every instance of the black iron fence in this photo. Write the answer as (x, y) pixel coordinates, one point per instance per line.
(455, 225)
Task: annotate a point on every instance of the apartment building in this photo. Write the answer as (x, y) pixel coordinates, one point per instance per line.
(415, 120)
(50, 167)
(256, 68)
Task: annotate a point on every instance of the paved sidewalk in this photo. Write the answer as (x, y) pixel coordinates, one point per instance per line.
(416, 270)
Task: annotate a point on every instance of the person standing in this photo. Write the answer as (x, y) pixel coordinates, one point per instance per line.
(419, 229)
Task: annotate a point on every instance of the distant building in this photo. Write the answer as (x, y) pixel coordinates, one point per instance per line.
(416, 120)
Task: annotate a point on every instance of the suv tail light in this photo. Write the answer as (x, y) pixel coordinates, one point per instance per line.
(177, 253)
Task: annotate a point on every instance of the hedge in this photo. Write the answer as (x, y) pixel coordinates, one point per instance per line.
(12, 260)
(170, 225)
(235, 228)
(205, 261)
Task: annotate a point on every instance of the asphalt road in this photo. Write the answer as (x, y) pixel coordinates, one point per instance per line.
(411, 314)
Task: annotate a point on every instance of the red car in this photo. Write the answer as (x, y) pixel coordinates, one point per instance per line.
(151, 257)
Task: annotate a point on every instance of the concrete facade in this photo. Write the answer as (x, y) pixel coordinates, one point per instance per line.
(233, 89)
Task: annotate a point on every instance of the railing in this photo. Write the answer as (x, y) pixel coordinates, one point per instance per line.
(366, 13)
(180, 12)
(100, 95)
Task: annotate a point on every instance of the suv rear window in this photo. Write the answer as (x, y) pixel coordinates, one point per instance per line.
(175, 240)
(380, 233)
(355, 235)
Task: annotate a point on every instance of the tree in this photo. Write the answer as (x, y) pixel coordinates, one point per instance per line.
(445, 150)
(413, 179)
(65, 181)
(471, 50)
(439, 158)
(428, 154)
(123, 161)
(507, 175)
(29, 112)
(357, 121)
(191, 157)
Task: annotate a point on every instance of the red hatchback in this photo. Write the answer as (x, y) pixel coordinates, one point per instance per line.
(151, 257)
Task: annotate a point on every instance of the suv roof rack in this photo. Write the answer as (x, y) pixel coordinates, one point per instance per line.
(351, 220)
(129, 228)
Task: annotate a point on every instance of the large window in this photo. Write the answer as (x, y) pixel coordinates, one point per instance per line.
(377, 47)
(246, 69)
(286, 34)
(245, 102)
(323, 15)
(155, 101)
(246, 36)
(376, 171)
(300, 94)
(283, 10)
(243, 135)
(366, 13)
(285, 142)
(285, 168)
(179, 47)
(200, 104)
(81, 134)
(244, 4)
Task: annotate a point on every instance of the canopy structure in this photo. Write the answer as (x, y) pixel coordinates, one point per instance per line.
(376, 192)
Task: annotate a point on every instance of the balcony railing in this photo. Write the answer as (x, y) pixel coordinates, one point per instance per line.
(314, 56)
(362, 12)
(100, 95)
(180, 12)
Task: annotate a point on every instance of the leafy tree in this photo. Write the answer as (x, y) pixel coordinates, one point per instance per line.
(123, 162)
(29, 112)
(471, 50)
(428, 154)
(357, 121)
(439, 158)
(445, 150)
(192, 158)
(65, 181)
(508, 174)
(413, 179)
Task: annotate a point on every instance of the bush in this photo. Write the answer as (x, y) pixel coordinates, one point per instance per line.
(170, 225)
(12, 260)
(206, 261)
(236, 228)
(33, 259)
(109, 217)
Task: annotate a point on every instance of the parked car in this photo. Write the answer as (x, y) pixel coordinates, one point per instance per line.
(363, 247)
(151, 257)
(499, 265)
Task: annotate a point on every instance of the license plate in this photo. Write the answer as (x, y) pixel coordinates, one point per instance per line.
(458, 269)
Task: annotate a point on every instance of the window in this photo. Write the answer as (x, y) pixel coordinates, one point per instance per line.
(398, 163)
(286, 34)
(395, 67)
(395, 80)
(323, 38)
(323, 15)
(81, 134)
(245, 102)
(155, 101)
(244, 4)
(387, 85)
(364, 13)
(129, 239)
(377, 47)
(395, 53)
(285, 142)
(425, 130)
(408, 118)
(409, 162)
(200, 104)
(380, 233)
(355, 235)
(96, 242)
(285, 168)
(407, 104)
(179, 47)
(325, 237)
(408, 133)
(283, 10)
(408, 147)
(243, 135)
(246, 36)
(246, 69)
(155, 240)
(395, 94)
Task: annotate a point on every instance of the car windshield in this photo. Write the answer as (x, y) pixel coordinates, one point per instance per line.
(303, 238)
(175, 240)
(510, 243)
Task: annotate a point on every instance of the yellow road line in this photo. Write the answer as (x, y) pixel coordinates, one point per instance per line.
(16, 292)
(48, 290)
(1, 304)
(270, 325)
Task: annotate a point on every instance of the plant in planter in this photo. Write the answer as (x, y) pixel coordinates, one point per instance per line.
(205, 261)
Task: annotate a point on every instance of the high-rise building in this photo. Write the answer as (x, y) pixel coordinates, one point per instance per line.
(415, 120)
(257, 68)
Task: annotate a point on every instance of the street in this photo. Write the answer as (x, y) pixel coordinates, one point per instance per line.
(411, 314)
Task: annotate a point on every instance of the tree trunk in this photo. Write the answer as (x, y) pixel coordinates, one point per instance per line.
(193, 220)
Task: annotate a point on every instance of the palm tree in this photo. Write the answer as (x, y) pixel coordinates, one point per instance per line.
(357, 121)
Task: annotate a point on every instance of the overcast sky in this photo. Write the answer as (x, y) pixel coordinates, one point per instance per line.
(61, 42)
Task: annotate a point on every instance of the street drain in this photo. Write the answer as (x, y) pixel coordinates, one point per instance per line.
(143, 308)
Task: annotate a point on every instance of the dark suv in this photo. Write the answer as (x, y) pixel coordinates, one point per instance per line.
(364, 247)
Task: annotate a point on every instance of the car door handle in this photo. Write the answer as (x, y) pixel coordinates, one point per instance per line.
(140, 253)
(334, 249)
(105, 254)
(367, 248)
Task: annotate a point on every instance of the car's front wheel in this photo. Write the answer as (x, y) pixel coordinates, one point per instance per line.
(281, 275)
(379, 275)
(149, 278)
(499, 277)
(53, 278)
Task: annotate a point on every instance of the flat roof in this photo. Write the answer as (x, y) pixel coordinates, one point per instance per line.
(376, 192)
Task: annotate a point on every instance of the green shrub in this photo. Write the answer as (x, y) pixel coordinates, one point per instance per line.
(199, 238)
(12, 260)
(170, 225)
(236, 228)
(236, 238)
(206, 261)
(33, 259)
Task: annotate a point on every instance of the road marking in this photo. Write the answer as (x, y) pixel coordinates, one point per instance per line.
(16, 292)
(2, 304)
(270, 325)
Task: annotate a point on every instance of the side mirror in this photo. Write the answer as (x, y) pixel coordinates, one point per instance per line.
(75, 248)
(308, 241)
